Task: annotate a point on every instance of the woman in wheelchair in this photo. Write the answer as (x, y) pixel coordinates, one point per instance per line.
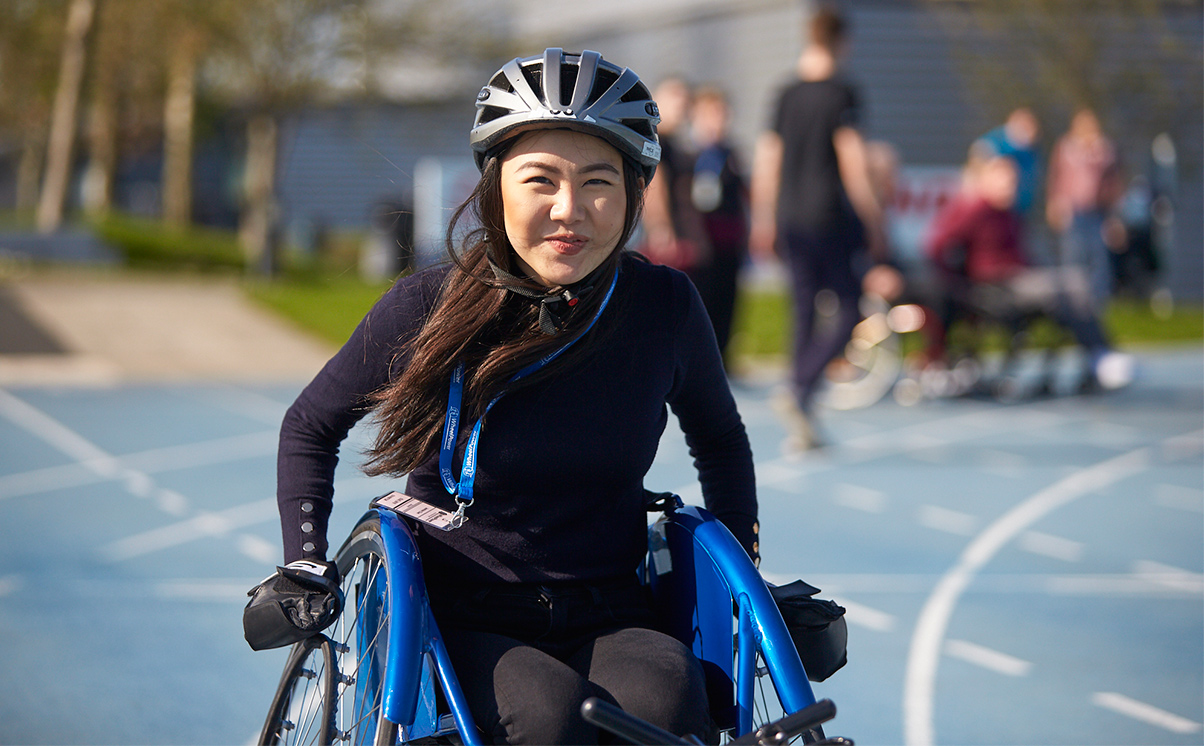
(976, 246)
(523, 387)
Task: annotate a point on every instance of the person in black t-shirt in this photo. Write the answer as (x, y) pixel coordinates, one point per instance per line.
(813, 202)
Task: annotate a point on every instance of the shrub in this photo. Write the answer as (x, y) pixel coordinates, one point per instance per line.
(150, 244)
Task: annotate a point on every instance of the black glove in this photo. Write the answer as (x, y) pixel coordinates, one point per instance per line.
(298, 601)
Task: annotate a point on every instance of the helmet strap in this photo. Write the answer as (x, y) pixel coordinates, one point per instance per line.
(554, 304)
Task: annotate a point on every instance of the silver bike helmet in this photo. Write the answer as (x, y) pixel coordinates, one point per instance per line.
(573, 91)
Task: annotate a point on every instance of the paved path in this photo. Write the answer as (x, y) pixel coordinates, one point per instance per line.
(122, 328)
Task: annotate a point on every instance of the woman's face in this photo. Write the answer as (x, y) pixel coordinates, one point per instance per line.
(564, 203)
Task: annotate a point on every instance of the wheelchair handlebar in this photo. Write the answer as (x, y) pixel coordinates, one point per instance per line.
(786, 728)
(627, 726)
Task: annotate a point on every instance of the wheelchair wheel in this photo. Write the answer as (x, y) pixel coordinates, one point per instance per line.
(872, 360)
(360, 639)
(302, 711)
(767, 708)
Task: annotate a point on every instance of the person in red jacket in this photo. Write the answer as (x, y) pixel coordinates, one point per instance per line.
(976, 244)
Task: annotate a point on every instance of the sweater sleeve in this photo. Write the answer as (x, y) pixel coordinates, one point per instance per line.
(950, 232)
(315, 426)
(703, 403)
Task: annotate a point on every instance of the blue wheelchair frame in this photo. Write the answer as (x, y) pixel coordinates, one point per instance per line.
(417, 660)
(698, 574)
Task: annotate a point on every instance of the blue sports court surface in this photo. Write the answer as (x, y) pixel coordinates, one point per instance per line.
(1026, 573)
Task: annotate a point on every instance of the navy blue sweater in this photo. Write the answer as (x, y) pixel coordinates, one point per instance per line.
(559, 486)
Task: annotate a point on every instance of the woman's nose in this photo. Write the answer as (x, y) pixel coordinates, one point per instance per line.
(566, 206)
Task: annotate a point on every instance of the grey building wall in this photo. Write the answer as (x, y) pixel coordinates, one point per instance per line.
(337, 164)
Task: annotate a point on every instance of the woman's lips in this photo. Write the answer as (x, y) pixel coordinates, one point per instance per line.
(567, 244)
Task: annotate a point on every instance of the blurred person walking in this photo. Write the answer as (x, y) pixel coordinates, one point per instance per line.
(720, 194)
(812, 200)
(1083, 188)
(674, 234)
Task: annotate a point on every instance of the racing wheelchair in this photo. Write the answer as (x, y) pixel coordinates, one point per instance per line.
(382, 675)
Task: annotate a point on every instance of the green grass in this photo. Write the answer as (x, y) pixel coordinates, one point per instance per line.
(331, 309)
(327, 308)
(762, 326)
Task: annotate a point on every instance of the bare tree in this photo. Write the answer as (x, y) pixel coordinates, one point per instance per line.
(1127, 59)
(192, 24)
(62, 123)
(30, 44)
(275, 56)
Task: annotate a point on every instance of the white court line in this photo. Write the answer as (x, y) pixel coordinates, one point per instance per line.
(57, 435)
(50, 478)
(1049, 545)
(205, 590)
(259, 549)
(251, 404)
(154, 461)
(923, 657)
(864, 616)
(1148, 714)
(860, 498)
(205, 453)
(95, 465)
(782, 473)
(944, 519)
(1179, 498)
(10, 584)
(1169, 577)
(205, 524)
(1001, 463)
(987, 658)
(1137, 584)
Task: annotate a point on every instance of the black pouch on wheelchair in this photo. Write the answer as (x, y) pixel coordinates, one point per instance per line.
(817, 627)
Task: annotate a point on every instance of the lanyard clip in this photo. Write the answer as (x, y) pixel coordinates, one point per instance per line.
(458, 518)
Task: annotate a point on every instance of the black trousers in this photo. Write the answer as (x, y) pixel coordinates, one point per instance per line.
(528, 656)
(820, 262)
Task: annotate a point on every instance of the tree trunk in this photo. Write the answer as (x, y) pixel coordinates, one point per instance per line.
(259, 210)
(62, 124)
(97, 196)
(178, 118)
(29, 172)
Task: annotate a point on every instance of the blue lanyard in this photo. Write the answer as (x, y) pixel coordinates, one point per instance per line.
(462, 490)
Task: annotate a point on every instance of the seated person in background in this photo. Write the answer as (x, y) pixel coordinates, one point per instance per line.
(976, 244)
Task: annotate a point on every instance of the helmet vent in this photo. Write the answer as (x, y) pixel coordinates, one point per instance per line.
(500, 82)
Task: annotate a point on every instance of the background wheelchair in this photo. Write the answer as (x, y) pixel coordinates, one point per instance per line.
(381, 673)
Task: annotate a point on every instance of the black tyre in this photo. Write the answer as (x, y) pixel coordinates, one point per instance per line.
(767, 707)
(360, 638)
(869, 367)
(302, 711)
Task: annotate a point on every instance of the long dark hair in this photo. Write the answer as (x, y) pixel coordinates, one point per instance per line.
(477, 320)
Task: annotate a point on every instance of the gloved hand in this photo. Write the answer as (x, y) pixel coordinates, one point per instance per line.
(298, 601)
